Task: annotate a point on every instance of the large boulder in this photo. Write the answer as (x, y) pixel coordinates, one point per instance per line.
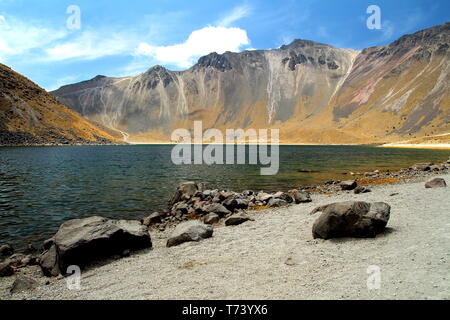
(436, 183)
(192, 230)
(83, 241)
(351, 219)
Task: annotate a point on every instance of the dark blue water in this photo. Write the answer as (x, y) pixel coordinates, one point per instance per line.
(42, 187)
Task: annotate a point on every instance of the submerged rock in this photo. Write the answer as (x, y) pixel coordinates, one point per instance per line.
(192, 230)
(351, 219)
(83, 241)
(436, 183)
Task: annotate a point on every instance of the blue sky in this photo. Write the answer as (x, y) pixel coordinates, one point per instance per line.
(119, 38)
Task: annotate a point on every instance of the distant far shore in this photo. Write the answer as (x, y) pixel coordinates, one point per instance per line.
(440, 146)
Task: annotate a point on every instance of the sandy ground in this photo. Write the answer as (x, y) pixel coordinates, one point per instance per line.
(275, 257)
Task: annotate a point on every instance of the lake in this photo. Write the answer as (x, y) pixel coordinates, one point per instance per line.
(41, 187)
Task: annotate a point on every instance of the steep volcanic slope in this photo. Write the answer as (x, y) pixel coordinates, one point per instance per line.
(30, 115)
(313, 92)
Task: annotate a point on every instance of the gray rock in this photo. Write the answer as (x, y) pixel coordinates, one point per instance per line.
(263, 197)
(216, 208)
(154, 218)
(301, 196)
(185, 191)
(233, 204)
(422, 166)
(192, 230)
(351, 219)
(361, 189)
(237, 219)
(275, 203)
(6, 251)
(436, 183)
(49, 262)
(82, 241)
(23, 283)
(211, 218)
(5, 269)
(284, 196)
(348, 185)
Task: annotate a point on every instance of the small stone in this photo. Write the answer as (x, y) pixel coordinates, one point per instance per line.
(211, 218)
(23, 283)
(436, 183)
(6, 250)
(237, 219)
(348, 185)
(5, 269)
(361, 189)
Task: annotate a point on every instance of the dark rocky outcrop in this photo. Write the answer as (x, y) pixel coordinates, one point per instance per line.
(351, 219)
(83, 241)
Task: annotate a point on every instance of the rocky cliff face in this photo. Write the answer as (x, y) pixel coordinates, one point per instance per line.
(314, 93)
(30, 115)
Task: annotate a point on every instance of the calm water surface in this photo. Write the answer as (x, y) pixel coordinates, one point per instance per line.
(42, 187)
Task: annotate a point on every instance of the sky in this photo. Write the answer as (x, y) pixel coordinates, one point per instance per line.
(58, 42)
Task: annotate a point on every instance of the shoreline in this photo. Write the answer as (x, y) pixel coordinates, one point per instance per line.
(129, 143)
(204, 258)
(275, 257)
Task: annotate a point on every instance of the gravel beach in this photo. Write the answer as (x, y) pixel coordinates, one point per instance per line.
(276, 257)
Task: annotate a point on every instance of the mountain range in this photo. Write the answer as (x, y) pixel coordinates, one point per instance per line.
(313, 92)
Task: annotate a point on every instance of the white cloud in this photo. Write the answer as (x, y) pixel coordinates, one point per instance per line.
(92, 45)
(18, 37)
(199, 43)
(236, 14)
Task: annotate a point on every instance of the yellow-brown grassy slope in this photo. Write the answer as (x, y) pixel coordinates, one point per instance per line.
(30, 115)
